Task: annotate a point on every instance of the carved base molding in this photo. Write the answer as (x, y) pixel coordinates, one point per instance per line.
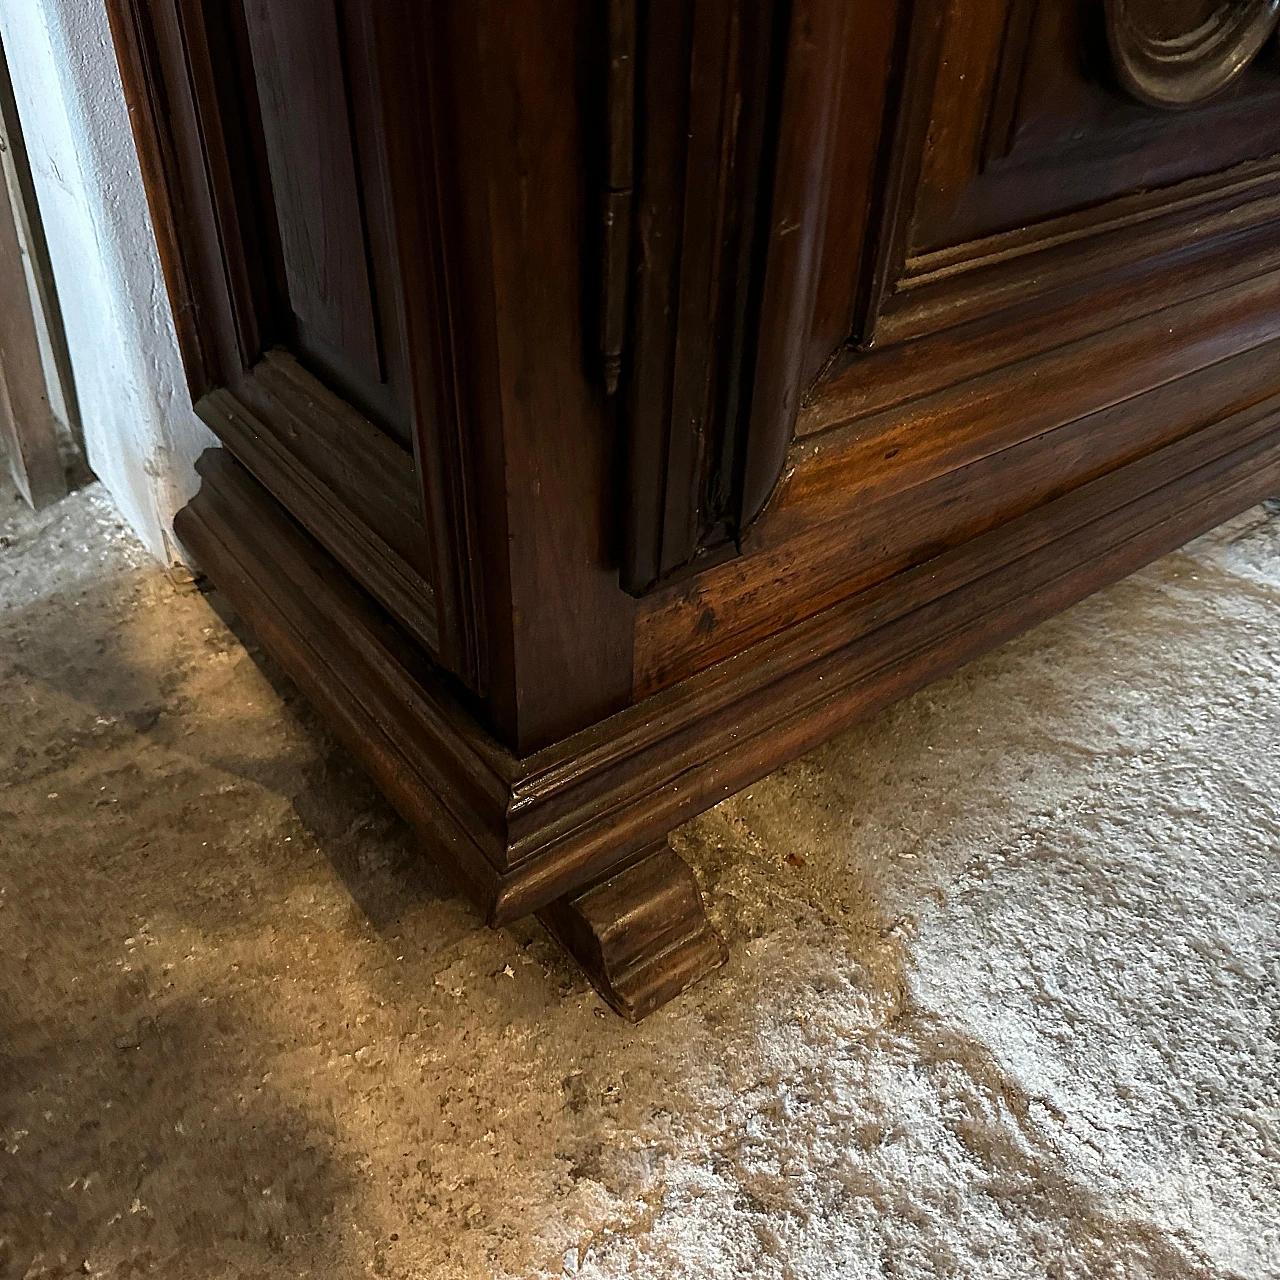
(576, 830)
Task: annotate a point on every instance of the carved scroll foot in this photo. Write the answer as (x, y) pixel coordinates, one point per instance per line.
(642, 936)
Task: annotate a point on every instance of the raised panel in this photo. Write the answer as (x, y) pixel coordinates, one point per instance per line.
(297, 64)
(1059, 131)
(317, 102)
(264, 131)
(1053, 280)
(1023, 169)
(1017, 137)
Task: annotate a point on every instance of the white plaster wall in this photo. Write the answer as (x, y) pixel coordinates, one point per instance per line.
(141, 434)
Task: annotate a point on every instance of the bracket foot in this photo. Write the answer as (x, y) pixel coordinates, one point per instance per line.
(642, 936)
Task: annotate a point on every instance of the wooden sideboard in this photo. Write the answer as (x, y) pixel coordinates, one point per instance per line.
(620, 398)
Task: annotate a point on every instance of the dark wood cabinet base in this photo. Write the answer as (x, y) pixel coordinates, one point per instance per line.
(576, 831)
(621, 399)
(622, 903)
(642, 936)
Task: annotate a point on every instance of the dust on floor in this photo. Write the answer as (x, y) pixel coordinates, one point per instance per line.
(1004, 996)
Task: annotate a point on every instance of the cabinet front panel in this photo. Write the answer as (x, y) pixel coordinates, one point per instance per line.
(1071, 261)
(265, 128)
(1017, 135)
(327, 184)
(1029, 119)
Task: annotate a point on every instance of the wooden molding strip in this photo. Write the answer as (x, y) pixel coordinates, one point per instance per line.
(859, 383)
(830, 474)
(776, 585)
(1202, 208)
(342, 478)
(518, 833)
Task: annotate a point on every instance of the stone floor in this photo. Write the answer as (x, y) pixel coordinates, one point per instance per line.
(1004, 996)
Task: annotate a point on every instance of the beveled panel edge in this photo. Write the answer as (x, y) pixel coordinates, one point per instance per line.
(304, 471)
(1034, 265)
(902, 445)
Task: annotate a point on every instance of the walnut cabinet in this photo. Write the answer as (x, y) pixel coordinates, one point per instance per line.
(619, 397)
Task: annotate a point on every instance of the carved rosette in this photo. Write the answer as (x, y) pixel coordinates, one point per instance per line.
(1178, 53)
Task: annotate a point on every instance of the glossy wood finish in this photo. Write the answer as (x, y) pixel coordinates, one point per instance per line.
(641, 936)
(488, 288)
(312, 74)
(251, 270)
(734, 369)
(519, 832)
(830, 157)
(356, 492)
(709, 79)
(545, 458)
(988, 374)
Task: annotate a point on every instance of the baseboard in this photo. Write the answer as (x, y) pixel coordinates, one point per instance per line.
(519, 833)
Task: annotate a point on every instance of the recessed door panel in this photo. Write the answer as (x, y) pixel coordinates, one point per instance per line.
(266, 127)
(1033, 114)
(1021, 129)
(306, 122)
(329, 198)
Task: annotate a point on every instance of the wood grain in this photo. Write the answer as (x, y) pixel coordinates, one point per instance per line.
(925, 329)
(521, 832)
(297, 62)
(698, 623)
(642, 936)
(341, 477)
(703, 195)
